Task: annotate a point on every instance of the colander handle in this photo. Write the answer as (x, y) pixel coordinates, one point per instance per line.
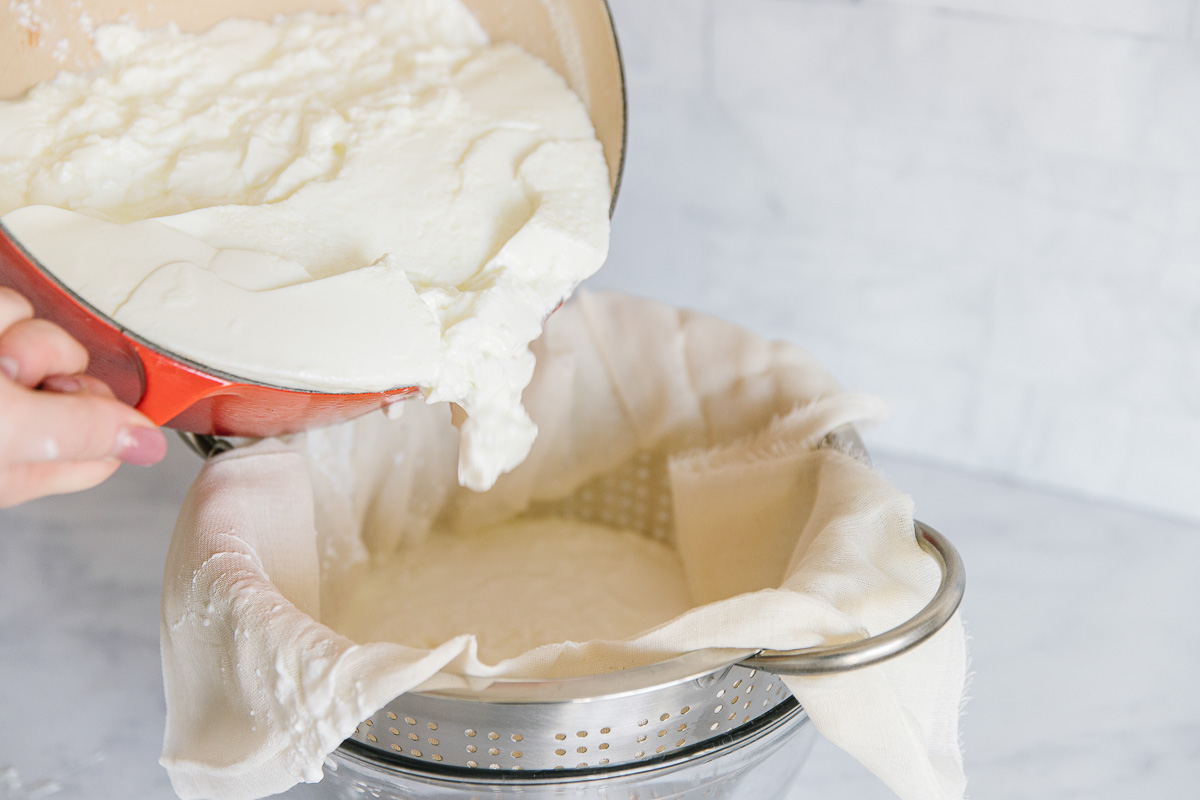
(874, 649)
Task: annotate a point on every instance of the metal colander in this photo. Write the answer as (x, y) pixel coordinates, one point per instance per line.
(523, 729)
(636, 718)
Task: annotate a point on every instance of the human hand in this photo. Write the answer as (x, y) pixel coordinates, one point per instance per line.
(60, 430)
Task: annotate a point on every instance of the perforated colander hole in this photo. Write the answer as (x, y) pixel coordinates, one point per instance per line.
(416, 753)
(641, 739)
(493, 751)
(472, 748)
(681, 728)
(685, 709)
(560, 736)
(721, 693)
(517, 754)
(398, 748)
(516, 737)
(394, 731)
(737, 683)
(414, 737)
(391, 715)
(436, 757)
(640, 754)
(717, 710)
(680, 742)
(662, 733)
(581, 750)
(750, 688)
(662, 748)
(371, 736)
(472, 763)
(370, 724)
(470, 733)
(581, 734)
(664, 717)
(603, 745)
(560, 752)
(431, 725)
(643, 723)
(602, 761)
(714, 726)
(410, 720)
(493, 736)
(606, 730)
(435, 742)
(753, 672)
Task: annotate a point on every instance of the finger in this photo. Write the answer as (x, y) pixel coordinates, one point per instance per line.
(24, 482)
(13, 308)
(46, 426)
(39, 348)
(73, 384)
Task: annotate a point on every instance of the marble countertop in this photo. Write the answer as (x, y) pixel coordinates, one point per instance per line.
(1082, 618)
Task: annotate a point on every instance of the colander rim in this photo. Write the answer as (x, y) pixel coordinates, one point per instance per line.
(691, 666)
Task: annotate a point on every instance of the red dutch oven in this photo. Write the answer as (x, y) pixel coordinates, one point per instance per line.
(180, 393)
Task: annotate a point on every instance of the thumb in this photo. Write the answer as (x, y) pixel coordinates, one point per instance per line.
(78, 427)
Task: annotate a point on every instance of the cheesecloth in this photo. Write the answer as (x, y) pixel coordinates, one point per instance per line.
(784, 546)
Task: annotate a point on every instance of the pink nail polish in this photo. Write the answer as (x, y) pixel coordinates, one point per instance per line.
(141, 446)
(9, 367)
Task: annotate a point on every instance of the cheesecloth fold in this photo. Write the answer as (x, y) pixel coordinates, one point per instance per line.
(783, 546)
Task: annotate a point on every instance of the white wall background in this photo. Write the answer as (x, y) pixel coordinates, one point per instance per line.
(986, 211)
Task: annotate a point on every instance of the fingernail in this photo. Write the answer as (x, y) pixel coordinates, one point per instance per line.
(9, 367)
(63, 384)
(141, 446)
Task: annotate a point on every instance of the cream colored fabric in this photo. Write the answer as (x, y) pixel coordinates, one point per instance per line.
(784, 546)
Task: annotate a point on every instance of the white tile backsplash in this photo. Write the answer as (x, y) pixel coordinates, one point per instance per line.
(682, 66)
(987, 212)
(1159, 18)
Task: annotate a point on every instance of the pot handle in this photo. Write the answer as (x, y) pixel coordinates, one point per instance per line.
(874, 649)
